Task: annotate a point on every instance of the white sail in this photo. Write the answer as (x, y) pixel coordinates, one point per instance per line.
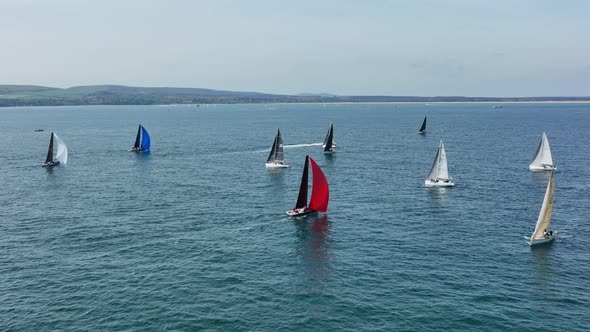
(443, 170)
(62, 151)
(543, 154)
(546, 209)
(434, 169)
(439, 169)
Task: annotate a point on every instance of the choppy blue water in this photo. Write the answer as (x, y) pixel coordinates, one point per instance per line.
(193, 235)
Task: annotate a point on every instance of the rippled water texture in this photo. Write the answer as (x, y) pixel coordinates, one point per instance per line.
(193, 235)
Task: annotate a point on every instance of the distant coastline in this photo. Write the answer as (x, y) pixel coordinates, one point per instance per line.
(32, 95)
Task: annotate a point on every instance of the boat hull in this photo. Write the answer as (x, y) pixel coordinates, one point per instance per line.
(137, 150)
(299, 212)
(542, 168)
(329, 152)
(543, 240)
(51, 164)
(439, 183)
(276, 165)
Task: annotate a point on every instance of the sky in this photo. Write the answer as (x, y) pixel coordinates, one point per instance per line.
(372, 47)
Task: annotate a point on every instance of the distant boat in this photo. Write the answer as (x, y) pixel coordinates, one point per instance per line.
(39, 130)
(497, 106)
(541, 234)
(423, 127)
(439, 173)
(142, 140)
(329, 145)
(320, 192)
(543, 160)
(276, 157)
(57, 153)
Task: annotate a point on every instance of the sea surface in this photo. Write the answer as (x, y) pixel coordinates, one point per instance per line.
(193, 235)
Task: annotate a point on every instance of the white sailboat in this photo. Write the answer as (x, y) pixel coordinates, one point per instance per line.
(276, 156)
(57, 153)
(541, 234)
(439, 173)
(543, 160)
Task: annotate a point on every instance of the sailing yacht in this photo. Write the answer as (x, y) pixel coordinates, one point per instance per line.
(142, 140)
(276, 157)
(439, 173)
(541, 234)
(320, 192)
(57, 153)
(329, 145)
(543, 160)
(423, 127)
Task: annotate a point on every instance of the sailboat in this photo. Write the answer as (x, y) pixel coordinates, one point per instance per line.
(423, 127)
(439, 173)
(543, 160)
(329, 144)
(541, 235)
(320, 192)
(142, 140)
(57, 153)
(276, 157)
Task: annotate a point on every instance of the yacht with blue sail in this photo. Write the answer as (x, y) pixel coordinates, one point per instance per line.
(142, 140)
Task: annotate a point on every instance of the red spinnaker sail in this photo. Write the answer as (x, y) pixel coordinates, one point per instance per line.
(320, 193)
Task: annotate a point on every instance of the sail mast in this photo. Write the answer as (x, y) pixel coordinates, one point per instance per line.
(50, 151)
(137, 138)
(302, 198)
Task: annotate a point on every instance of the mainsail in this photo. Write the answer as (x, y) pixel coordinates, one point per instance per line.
(145, 139)
(546, 209)
(543, 153)
(137, 138)
(302, 198)
(50, 151)
(423, 127)
(439, 169)
(61, 154)
(320, 192)
(276, 152)
(329, 140)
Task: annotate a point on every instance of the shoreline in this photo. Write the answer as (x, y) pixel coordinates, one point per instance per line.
(329, 103)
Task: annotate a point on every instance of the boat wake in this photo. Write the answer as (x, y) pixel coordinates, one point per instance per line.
(300, 145)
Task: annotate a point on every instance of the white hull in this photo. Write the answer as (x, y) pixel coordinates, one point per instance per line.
(439, 183)
(329, 152)
(542, 168)
(276, 165)
(299, 212)
(543, 240)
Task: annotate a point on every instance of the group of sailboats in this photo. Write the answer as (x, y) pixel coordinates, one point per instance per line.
(320, 192)
(57, 154)
(276, 157)
(439, 172)
(542, 161)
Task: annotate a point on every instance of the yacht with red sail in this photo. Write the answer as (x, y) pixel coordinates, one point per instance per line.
(320, 192)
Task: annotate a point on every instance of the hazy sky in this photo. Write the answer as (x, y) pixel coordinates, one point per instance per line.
(370, 47)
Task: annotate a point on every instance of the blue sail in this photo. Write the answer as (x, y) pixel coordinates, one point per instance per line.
(145, 139)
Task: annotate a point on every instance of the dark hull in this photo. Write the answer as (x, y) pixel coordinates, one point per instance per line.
(50, 163)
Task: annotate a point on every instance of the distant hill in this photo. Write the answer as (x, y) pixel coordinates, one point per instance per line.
(32, 95)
